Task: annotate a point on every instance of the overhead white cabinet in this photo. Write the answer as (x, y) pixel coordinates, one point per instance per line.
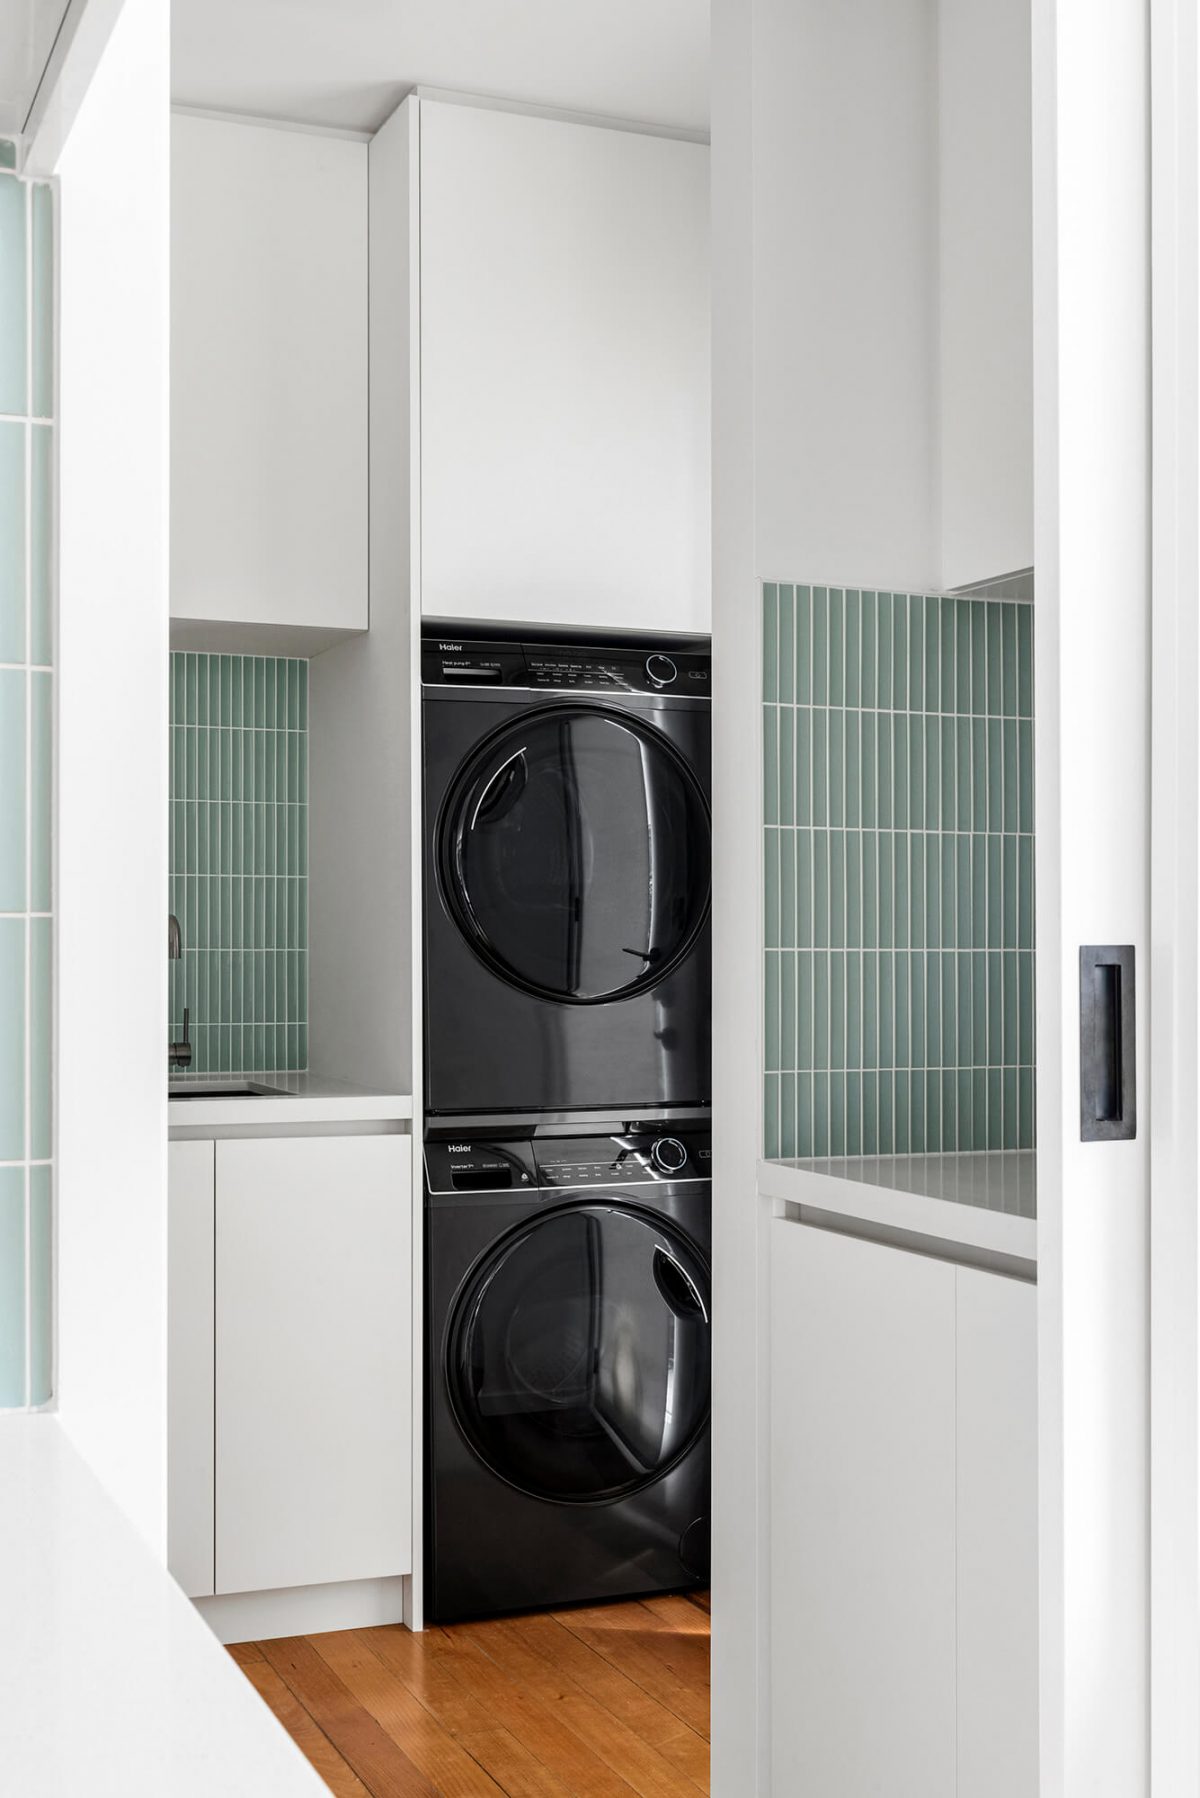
(191, 1169)
(903, 1495)
(313, 1361)
(564, 363)
(268, 381)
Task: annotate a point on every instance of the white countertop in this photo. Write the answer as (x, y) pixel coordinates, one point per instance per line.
(295, 1099)
(981, 1201)
(112, 1683)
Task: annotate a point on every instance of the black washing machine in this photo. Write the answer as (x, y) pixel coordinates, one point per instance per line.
(567, 857)
(568, 1355)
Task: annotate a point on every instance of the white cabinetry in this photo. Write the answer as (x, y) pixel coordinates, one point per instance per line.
(291, 1362)
(268, 378)
(190, 1225)
(903, 1523)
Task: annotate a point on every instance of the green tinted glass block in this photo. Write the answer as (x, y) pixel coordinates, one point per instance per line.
(869, 684)
(12, 791)
(853, 647)
(13, 307)
(884, 666)
(41, 792)
(12, 542)
(787, 646)
(12, 1039)
(803, 646)
(42, 349)
(837, 646)
(12, 1286)
(41, 1016)
(41, 1295)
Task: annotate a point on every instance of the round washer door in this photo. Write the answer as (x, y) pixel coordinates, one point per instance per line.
(574, 854)
(578, 1356)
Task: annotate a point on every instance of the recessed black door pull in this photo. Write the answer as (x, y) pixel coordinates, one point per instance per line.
(1107, 1038)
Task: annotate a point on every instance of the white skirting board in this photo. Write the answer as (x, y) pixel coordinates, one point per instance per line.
(303, 1610)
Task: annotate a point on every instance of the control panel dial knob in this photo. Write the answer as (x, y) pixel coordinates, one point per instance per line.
(669, 1155)
(661, 670)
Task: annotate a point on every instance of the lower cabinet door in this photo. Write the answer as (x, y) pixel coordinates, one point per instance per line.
(313, 1361)
(862, 1519)
(190, 1365)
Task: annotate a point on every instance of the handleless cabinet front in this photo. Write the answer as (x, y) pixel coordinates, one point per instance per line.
(313, 1361)
(190, 1201)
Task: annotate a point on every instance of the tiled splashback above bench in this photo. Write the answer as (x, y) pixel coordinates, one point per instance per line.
(239, 859)
(899, 872)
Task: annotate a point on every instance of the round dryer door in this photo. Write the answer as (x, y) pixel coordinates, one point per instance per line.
(578, 1356)
(575, 854)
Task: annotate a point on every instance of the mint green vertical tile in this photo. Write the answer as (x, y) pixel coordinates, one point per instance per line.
(837, 1011)
(821, 1114)
(916, 772)
(964, 892)
(918, 1138)
(821, 1011)
(933, 773)
(771, 1117)
(41, 1017)
(979, 891)
(854, 1114)
(837, 1114)
(933, 1113)
(949, 1004)
(770, 765)
(1025, 1011)
(886, 1000)
(995, 658)
(979, 688)
(965, 1008)
(918, 922)
(770, 889)
(12, 1039)
(820, 884)
(883, 657)
(12, 790)
(787, 1115)
(1012, 1008)
(995, 892)
(8, 154)
(995, 1108)
(883, 754)
(868, 682)
(787, 646)
(979, 775)
(965, 1108)
(12, 1285)
(1025, 776)
(787, 1004)
(1008, 626)
(41, 792)
(979, 1010)
(41, 545)
(837, 768)
(805, 1001)
(1012, 1129)
(1026, 1127)
(1025, 893)
(962, 656)
(854, 890)
(900, 651)
(41, 1294)
(899, 735)
(837, 646)
(949, 767)
(995, 774)
(1012, 775)
(12, 536)
(903, 1112)
(804, 1115)
(948, 860)
(854, 1010)
(917, 1053)
(820, 767)
(916, 653)
(887, 891)
(964, 773)
(1025, 661)
(42, 322)
(869, 769)
(820, 646)
(870, 1114)
(887, 1114)
(995, 1009)
(947, 636)
(13, 307)
(771, 998)
(870, 890)
(949, 1110)
(788, 904)
(902, 1013)
(303, 670)
(926, 611)
(837, 889)
(1010, 875)
(852, 721)
(853, 647)
(902, 890)
(264, 691)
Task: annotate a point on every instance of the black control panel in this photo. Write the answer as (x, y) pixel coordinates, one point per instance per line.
(549, 1162)
(649, 665)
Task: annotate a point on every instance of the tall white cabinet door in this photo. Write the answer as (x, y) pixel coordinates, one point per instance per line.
(564, 372)
(862, 1519)
(190, 1222)
(997, 1537)
(314, 1361)
(268, 376)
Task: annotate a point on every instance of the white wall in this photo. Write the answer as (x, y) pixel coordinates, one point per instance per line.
(112, 778)
(985, 278)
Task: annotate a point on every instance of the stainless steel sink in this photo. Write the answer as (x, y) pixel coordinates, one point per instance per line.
(223, 1089)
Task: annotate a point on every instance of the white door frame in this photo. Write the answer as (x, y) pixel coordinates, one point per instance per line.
(1175, 903)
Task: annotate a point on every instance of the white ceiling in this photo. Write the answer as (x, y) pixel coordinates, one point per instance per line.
(349, 62)
(27, 32)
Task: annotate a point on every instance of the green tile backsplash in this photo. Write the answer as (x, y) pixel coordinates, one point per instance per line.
(239, 859)
(27, 542)
(899, 872)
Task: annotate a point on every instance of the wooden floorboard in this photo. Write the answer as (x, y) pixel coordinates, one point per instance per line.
(602, 1701)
